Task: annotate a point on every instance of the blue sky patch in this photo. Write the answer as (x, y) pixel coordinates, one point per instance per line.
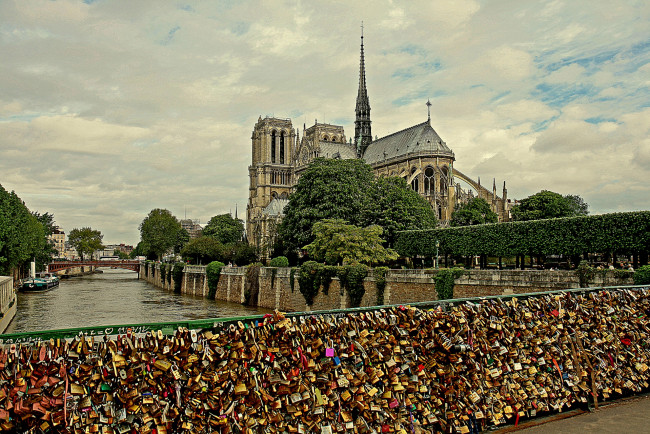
(186, 8)
(403, 74)
(599, 119)
(240, 28)
(20, 118)
(559, 95)
(170, 35)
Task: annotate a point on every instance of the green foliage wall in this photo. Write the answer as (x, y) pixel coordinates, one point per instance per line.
(178, 276)
(212, 273)
(445, 280)
(621, 232)
(642, 275)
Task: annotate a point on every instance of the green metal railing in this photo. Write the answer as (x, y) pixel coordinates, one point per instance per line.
(168, 328)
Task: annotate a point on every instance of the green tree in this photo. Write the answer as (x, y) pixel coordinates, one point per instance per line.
(327, 189)
(182, 238)
(338, 242)
(138, 251)
(239, 253)
(120, 254)
(160, 232)
(396, 207)
(22, 236)
(578, 204)
(44, 255)
(475, 212)
(347, 189)
(546, 205)
(224, 228)
(86, 241)
(202, 250)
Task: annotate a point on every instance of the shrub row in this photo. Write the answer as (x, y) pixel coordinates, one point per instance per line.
(616, 232)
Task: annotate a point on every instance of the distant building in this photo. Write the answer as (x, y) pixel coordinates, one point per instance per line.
(417, 154)
(58, 238)
(192, 227)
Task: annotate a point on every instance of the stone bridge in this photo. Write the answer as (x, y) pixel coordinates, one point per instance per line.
(62, 265)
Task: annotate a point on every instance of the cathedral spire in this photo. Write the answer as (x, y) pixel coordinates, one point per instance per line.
(362, 133)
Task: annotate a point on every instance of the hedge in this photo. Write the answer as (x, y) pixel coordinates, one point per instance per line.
(618, 232)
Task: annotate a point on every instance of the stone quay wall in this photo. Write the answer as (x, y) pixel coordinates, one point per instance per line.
(272, 288)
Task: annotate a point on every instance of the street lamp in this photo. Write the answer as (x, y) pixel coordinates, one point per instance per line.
(437, 246)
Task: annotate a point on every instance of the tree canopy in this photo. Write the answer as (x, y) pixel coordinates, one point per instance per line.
(160, 232)
(22, 235)
(85, 240)
(224, 228)
(396, 207)
(475, 212)
(547, 204)
(337, 242)
(203, 250)
(348, 190)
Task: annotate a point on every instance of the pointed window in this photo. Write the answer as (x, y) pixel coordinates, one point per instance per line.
(282, 147)
(429, 181)
(273, 147)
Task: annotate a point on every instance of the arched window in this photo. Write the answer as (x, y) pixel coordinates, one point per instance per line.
(444, 180)
(274, 195)
(284, 195)
(415, 184)
(282, 147)
(439, 212)
(325, 138)
(429, 181)
(273, 146)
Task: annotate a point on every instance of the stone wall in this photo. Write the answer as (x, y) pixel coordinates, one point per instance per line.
(402, 286)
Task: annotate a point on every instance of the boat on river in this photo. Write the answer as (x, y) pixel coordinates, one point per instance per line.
(40, 283)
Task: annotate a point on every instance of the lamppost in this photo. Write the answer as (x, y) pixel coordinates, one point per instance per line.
(437, 246)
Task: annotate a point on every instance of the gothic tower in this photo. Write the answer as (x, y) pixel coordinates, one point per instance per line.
(270, 174)
(362, 134)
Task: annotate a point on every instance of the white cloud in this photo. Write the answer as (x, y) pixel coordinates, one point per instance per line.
(149, 104)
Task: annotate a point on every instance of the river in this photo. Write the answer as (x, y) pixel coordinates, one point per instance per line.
(113, 297)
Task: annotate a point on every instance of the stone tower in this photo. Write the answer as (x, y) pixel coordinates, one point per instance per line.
(270, 174)
(362, 133)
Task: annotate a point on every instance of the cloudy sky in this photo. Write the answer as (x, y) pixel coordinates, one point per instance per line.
(109, 108)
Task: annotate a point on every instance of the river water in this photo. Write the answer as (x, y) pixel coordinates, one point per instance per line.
(111, 298)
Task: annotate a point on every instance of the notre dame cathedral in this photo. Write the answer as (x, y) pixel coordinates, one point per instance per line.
(417, 154)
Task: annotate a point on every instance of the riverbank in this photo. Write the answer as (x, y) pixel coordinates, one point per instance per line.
(279, 288)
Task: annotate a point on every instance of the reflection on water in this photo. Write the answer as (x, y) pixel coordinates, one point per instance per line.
(113, 297)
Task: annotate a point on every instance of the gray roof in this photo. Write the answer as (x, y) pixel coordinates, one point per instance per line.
(418, 138)
(276, 207)
(332, 149)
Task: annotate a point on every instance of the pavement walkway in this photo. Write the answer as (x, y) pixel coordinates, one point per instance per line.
(628, 416)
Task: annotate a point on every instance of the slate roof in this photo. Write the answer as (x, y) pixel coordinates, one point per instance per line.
(418, 138)
(275, 207)
(344, 150)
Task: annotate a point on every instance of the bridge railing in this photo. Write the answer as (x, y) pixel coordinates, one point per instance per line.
(168, 328)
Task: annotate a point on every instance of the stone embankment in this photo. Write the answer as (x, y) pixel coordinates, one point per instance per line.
(273, 288)
(440, 367)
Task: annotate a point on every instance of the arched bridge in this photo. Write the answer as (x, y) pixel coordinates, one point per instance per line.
(62, 265)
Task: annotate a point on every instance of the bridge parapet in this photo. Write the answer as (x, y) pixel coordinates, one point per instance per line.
(62, 265)
(388, 366)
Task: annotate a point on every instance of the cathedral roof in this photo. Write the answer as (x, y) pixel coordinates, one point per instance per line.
(343, 151)
(276, 207)
(421, 138)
